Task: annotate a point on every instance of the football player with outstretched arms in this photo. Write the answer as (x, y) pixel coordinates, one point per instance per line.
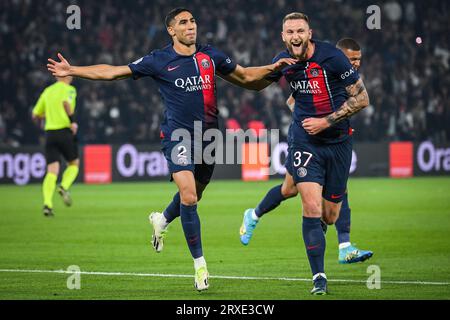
(186, 75)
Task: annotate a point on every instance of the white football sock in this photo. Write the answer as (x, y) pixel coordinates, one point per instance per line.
(344, 245)
(319, 274)
(163, 221)
(199, 262)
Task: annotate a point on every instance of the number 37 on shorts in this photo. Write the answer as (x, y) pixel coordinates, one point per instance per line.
(300, 161)
(327, 165)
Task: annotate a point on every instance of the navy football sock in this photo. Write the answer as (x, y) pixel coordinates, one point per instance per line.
(272, 200)
(191, 228)
(173, 209)
(315, 243)
(343, 222)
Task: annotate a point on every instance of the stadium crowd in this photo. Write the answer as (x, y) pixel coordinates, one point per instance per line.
(405, 64)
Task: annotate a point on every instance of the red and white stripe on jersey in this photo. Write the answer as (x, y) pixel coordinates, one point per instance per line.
(206, 69)
(322, 101)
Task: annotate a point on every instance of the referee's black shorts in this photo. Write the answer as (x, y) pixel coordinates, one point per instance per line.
(60, 142)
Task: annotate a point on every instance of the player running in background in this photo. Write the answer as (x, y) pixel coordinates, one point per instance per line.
(186, 75)
(56, 105)
(348, 253)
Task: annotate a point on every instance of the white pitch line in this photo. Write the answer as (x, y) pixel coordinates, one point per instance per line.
(161, 275)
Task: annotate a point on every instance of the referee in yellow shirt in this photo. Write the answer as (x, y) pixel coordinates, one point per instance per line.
(57, 105)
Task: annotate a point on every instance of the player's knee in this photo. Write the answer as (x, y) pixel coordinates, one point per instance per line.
(289, 191)
(188, 198)
(328, 220)
(53, 168)
(330, 215)
(312, 209)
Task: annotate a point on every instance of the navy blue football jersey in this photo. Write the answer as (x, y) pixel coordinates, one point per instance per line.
(318, 86)
(187, 84)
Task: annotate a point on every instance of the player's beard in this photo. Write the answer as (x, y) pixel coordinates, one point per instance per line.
(303, 49)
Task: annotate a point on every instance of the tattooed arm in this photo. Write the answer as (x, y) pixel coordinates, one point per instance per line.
(358, 100)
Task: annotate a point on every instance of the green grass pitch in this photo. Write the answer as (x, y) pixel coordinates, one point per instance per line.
(405, 222)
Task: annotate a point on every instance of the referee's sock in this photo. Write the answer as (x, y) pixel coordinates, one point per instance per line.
(48, 188)
(69, 176)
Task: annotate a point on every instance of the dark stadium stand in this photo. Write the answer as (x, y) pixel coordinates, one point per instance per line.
(408, 82)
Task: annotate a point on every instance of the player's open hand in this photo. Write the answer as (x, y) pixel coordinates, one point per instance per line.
(284, 62)
(315, 125)
(59, 69)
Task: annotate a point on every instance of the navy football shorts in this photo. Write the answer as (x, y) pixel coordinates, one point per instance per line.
(288, 162)
(325, 164)
(180, 157)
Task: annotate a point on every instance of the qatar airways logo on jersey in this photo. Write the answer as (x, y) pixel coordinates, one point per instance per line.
(194, 83)
(306, 86)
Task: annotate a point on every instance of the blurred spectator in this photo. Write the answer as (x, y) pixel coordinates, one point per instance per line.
(407, 79)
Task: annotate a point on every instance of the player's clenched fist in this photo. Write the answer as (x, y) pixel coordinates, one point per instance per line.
(315, 125)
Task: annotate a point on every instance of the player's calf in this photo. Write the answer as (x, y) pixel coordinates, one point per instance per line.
(330, 212)
(288, 191)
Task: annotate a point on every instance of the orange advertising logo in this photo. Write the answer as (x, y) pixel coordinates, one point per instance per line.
(97, 164)
(255, 161)
(401, 159)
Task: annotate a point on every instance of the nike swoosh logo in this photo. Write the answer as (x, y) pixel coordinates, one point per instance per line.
(172, 68)
(312, 247)
(333, 196)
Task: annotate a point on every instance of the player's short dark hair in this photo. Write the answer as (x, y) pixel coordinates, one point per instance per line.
(296, 16)
(173, 13)
(349, 44)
